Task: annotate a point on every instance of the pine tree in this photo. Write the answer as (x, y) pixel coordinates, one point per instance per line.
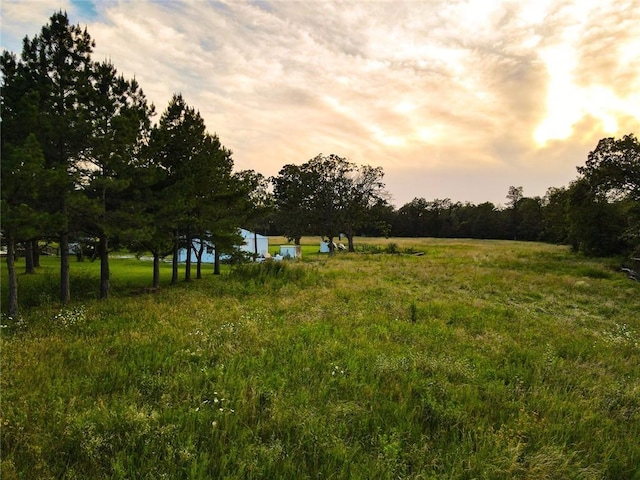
(120, 122)
(192, 186)
(57, 70)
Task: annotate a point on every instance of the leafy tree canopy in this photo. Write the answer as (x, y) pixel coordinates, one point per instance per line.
(613, 168)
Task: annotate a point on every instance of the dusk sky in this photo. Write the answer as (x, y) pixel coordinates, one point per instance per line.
(454, 99)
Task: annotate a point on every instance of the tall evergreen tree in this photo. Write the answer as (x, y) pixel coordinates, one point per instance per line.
(57, 68)
(120, 121)
(193, 173)
(171, 145)
(21, 218)
(216, 195)
(16, 167)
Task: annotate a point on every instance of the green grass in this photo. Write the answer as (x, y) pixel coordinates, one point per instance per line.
(478, 359)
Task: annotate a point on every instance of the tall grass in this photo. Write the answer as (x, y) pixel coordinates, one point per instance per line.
(475, 360)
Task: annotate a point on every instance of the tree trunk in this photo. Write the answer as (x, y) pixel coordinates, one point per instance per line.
(104, 266)
(65, 286)
(332, 246)
(350, 242)
(28, 258)
(255, 243)
(199, 264)
(156, 270)
(36, 253)
(79, 252)
(13, 278)
(216, 262)
(174, 262)
(187, 268)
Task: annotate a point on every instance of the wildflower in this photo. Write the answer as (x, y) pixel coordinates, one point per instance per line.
(337, 370)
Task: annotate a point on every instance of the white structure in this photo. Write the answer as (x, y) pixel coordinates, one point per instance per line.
(254, 243)
(251, 240)
(325, 247)
(290, 251)
(207, 255)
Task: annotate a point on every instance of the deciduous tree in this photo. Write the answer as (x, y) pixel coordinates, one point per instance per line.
(613, 168)
(327, 195)
(596, 225)
(612, 171)
(292, 191)
(514, 196)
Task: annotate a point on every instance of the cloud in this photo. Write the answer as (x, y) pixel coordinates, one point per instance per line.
(20, 19)
(446, 96)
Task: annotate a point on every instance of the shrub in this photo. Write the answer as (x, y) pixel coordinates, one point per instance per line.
(392, 248)
(269, 270)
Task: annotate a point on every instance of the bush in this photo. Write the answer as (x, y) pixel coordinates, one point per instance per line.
(269, 270)
(392, 248)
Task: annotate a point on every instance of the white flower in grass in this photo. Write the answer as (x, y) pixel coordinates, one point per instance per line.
(337, 370)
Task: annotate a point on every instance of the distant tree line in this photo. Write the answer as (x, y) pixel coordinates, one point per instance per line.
(82, 160)
(598, 214)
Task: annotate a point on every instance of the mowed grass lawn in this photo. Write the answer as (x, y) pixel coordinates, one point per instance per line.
(478, 359)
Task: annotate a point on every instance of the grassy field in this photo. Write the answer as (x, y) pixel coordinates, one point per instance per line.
(478, 359)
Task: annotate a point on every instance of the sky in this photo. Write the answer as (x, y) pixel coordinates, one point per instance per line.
(454, 99)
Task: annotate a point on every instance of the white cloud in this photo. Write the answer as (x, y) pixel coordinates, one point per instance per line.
(443, 90)
(20, 19)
